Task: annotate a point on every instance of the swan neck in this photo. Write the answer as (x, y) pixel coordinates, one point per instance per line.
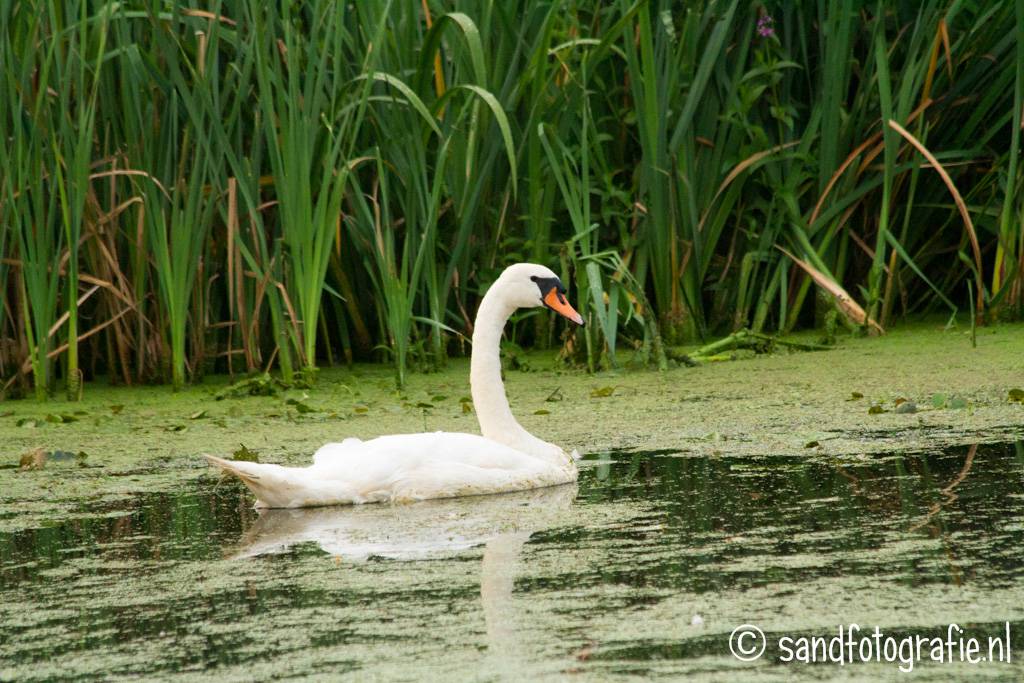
(492, 410)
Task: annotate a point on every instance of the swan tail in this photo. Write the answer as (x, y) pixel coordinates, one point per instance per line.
(286, 487)
(248, 472)
(270, 483)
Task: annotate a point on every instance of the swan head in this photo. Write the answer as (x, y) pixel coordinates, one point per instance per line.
(529, 285)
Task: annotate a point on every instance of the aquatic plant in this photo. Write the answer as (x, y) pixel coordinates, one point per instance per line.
(247, 188)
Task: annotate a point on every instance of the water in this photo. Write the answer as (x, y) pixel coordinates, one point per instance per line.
(643, 569)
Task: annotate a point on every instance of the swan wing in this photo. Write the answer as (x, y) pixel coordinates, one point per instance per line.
(434, 447)
(398, 468)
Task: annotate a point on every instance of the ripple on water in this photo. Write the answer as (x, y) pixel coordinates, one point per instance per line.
(643, 569)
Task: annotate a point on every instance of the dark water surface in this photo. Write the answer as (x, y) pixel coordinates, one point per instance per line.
(644, 570)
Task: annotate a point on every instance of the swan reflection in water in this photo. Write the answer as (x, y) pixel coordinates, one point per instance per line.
(430, 529)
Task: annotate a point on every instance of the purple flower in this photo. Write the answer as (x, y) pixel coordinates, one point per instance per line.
(765, 26)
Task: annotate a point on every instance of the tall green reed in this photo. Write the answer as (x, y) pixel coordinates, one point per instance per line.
(179, 203)
(30, 202)
(77, 70)
(310, 120)
(1008, 269)
(270, 182)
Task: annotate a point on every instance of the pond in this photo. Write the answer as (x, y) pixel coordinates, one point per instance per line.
(644, 568)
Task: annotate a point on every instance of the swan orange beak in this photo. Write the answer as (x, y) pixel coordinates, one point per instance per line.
(558, 303)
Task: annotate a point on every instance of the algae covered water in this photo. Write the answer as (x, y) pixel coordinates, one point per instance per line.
(644, 568)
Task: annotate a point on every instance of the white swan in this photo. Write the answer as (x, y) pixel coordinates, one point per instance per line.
(408, 467)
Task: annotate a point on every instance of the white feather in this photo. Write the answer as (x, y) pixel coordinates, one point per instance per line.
(410, 467)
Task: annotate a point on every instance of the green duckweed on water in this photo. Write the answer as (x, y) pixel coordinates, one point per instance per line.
(778, 404)
(641, 570)
(758, 491)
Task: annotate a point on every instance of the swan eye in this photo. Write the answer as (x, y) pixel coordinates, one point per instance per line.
(546, 284)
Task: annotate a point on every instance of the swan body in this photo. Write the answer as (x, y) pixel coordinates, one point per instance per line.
(399, 468)
(411, 467)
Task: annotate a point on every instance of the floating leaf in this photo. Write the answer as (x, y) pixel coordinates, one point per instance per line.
(58, 456)
(360, 409)
(602, 392)
(542, 412)
(260, 385)
(424, 405)
(28, 422)
(33, 459)
(938, 400)
(957, 403)
(438, 397)
(467, 407)
(197, 415)
(906, 408)
(876, 410)
(1016, 396)
(60, 418)
(67, 456)
(245, 454)
(855, 396)
(555, 395)
(116, 409)
(899, 402)
(299, 406)
(811, 444)
(175, 428)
